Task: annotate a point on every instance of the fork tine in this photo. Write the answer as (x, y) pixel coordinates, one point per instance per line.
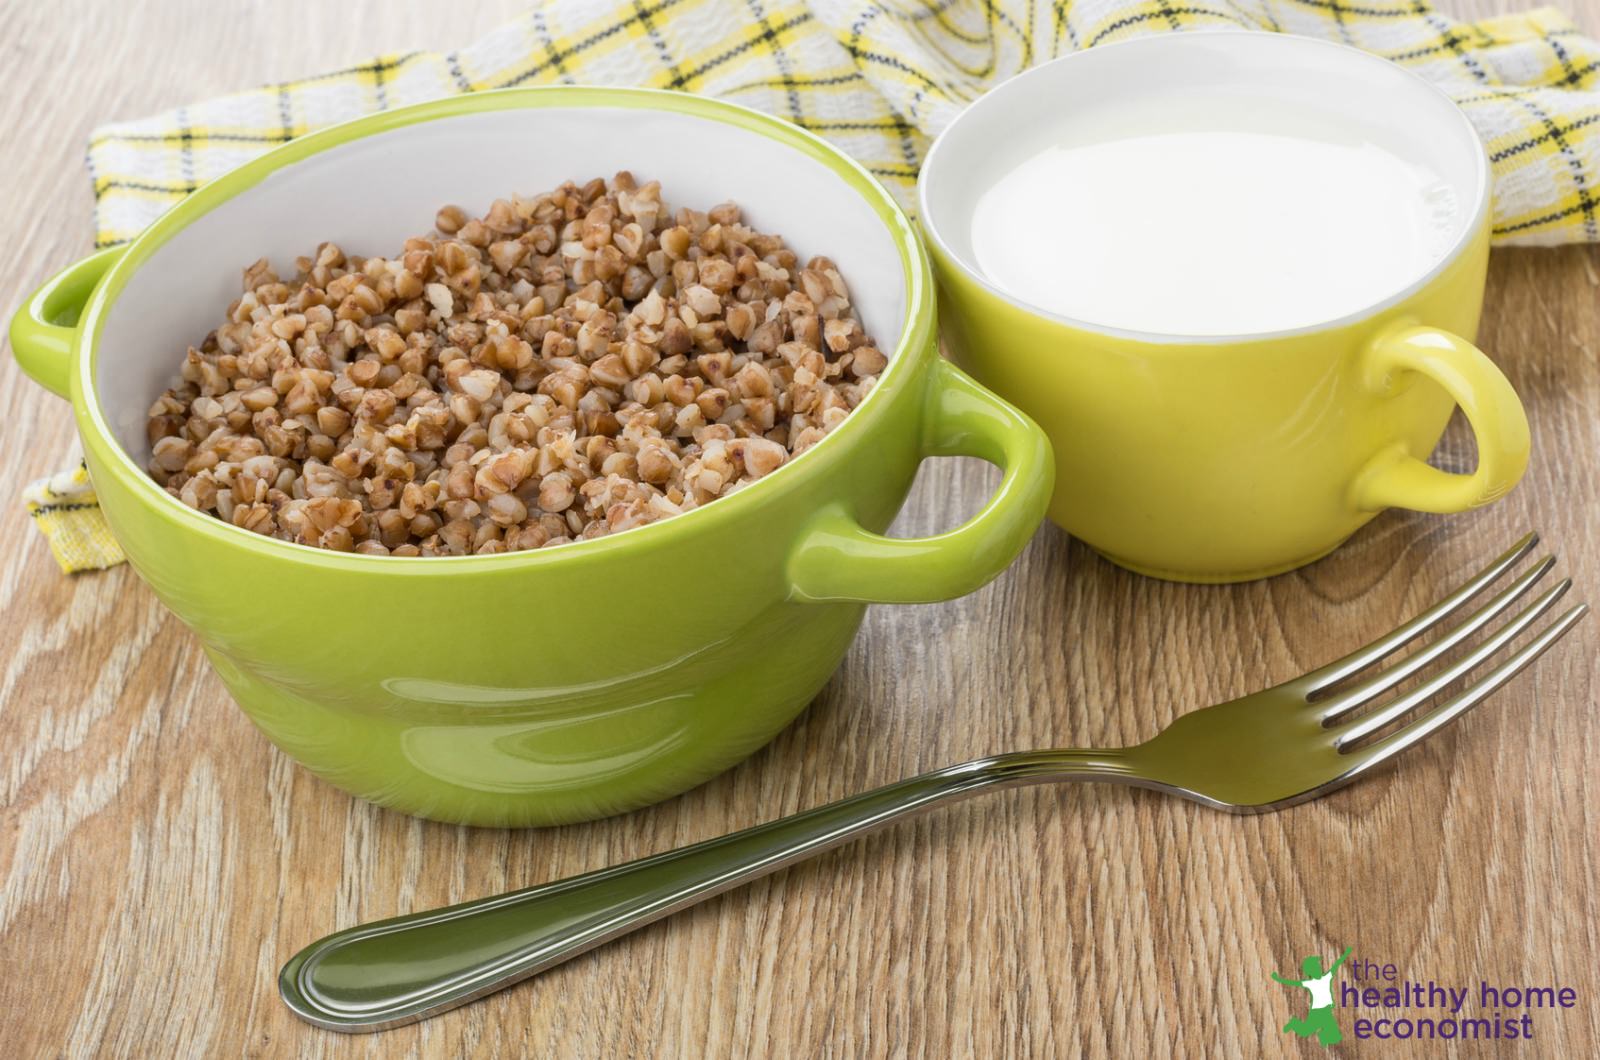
(1384, 680)
(1370, 723)
(1467, 698)
(1384, 646)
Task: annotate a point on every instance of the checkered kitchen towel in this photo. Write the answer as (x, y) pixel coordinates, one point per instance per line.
(881, 79)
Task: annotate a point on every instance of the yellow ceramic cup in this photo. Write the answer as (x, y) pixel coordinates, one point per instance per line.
(1224, 458)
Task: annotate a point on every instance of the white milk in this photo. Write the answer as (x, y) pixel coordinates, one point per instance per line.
(1213, 231)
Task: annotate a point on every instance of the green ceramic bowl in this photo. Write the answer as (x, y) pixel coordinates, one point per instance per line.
(572, 682)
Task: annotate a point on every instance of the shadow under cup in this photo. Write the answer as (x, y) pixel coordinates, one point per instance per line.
(1228, 457)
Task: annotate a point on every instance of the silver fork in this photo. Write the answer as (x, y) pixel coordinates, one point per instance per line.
(1265, 751)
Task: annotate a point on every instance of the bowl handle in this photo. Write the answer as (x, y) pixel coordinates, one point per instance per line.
(840, 560)
(1394, 478)
(42, 331)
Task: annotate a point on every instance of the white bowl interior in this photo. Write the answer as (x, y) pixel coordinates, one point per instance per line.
(1274, 83)
(368, 195)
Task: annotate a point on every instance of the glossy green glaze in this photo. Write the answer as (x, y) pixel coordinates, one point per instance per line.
(45, 331)
(583, 680)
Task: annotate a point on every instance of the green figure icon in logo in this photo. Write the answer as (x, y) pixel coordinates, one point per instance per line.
(1319, 1018)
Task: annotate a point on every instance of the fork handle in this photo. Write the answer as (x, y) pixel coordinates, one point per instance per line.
(398, 971)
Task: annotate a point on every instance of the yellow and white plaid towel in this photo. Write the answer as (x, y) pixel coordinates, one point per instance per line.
(65, 508)
(882, 79)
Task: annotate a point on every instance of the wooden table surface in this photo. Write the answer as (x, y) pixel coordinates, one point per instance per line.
(159, 860)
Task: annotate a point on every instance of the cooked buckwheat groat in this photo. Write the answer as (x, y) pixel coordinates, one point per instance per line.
(566, 366)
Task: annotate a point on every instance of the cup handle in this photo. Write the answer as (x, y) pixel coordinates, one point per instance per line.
(42, 331)
(1397, 479)
(840, 560)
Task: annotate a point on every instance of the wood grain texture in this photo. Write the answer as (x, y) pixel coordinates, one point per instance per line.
(159, 861)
